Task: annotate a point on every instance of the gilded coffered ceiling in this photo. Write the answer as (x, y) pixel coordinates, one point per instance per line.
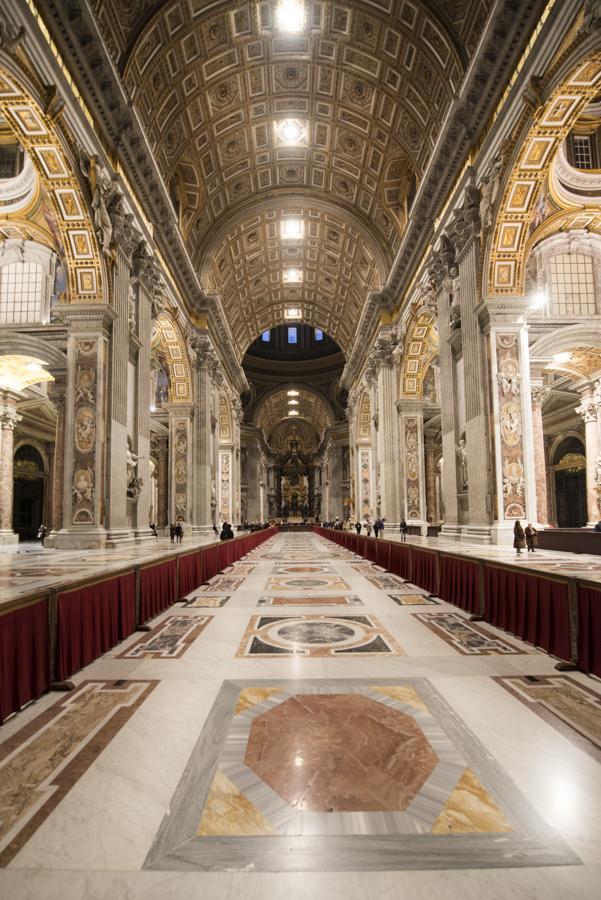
(340, 117)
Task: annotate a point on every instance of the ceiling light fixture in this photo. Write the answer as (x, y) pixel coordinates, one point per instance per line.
(292, 229)
(293, 402)
(290, 131)
(562, 357)
(292, 276)
(538, 300)
(290, 15)
(292, 312)
(293, 393)
(293, 412)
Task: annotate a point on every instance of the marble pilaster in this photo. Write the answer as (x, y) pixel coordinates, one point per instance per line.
(143, 336)
(450, 527)
(387, 480)
(431, 447)
(58, 398)
(84, 496)
(589, 409)
(118, 524)
(538, 393)
(181, 424)
(9, 419)
(411, 423)
(162, 455)
(204, 486)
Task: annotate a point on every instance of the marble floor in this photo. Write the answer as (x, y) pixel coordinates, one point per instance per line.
(376, 744)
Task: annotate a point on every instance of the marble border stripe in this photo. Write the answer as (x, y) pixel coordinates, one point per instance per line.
(62, 778)
(177, 847)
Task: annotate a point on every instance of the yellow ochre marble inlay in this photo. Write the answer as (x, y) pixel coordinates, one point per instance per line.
(406, 695)
(469, 809)
(228, 812)
(249, 697)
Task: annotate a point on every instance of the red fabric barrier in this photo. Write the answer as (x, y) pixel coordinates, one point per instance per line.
(459, 583)
(189, 573)
(24, 656)
(383, 553)
(589, 630)
(371, 551)
(533, 608)
(91, 620)
(423, 570)
(399, 559)
(157, 589)
(209, 563)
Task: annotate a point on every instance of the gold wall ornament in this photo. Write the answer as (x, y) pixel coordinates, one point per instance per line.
(69, 220)
(553, 120)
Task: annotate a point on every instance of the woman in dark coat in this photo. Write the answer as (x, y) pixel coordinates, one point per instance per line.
(519, 538)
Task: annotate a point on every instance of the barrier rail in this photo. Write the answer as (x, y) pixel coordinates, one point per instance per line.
(559, 614)
(48, 636)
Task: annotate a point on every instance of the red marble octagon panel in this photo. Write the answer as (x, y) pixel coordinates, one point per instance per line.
(340, 753)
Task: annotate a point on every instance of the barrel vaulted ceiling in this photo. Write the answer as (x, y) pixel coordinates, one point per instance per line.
(250, 124)
(305, 405)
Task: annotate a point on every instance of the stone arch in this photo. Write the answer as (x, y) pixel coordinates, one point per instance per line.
(421, 346)
(38, 447)
(551, 124)
(67, 214)
(172, 342)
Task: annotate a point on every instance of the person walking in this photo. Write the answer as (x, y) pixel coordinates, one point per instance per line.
(403, 530)
(368, 526)
(530, 533)
(42, 534)
(376, 528)
(519, 538)
(179, 532)
(153, 528)
(358, 527)
(172, 533)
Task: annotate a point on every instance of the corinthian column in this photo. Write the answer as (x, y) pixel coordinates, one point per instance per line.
(538, 393)
(387, 438)
(588, 410)
(9, 418)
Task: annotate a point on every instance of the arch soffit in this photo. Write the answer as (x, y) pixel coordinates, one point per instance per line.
(421, 346)
(13, 343)
(67, 213)
(313, 408)
(552, 123)
(564, 339)
(174, 348)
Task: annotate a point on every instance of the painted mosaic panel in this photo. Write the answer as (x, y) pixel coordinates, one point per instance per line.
(510, 416)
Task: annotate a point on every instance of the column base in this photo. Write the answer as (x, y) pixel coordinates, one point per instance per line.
(94, 539)
(116, 537)
(502, 533)
(143, 535)
(202, 529)
(451, 531)
(478, 534)
(8, 537)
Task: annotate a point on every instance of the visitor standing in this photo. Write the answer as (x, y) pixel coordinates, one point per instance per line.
(41, 534)
(403, 530)
(358, 527)
(519, 538)
(530, 533)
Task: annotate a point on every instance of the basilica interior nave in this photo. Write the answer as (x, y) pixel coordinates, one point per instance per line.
(300, 449)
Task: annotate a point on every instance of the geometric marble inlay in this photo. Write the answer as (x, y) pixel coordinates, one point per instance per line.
(571, 708)
(377, 758)
(222, 583)
(325, 582)
(316, 635)
(413, 600)
(345, 775)
(310, 600)
(299, 568)
(465, 637)
(386, 582)
(206, 602)
(40, 763)
(169, 639)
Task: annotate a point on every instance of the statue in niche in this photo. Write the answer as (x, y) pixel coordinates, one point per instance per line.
(455, 310)
(134, 484)
(102, 191)
(462, 459)
(598, 470)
